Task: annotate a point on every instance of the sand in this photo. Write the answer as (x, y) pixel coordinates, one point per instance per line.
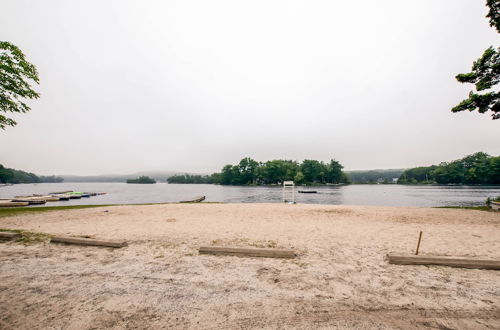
(339, 278)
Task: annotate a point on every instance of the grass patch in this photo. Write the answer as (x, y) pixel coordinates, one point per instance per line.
(11, 211)
(28, 237)
(7, 212)
(17, 231)
(477, 208)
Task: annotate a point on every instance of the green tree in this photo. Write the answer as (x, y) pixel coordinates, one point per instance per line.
(494, 13)
(226, 176)
(485, 74)
(334, 172)
(299, 178)
(247, 169)
(15, 76)
(314, 171)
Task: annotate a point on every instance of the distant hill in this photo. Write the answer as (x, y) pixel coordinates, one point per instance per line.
(10, 175)
(159, 176)
(373, 176)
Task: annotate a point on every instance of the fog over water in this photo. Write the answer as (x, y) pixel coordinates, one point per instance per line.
(191, 86)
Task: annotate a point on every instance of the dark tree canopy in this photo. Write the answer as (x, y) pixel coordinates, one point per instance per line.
(494, 13)
(485, 74)
(15, 76)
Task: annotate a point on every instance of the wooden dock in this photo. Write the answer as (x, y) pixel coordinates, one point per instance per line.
(9, 203)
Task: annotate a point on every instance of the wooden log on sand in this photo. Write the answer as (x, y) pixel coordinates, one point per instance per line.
(247, 252)
(8, 235)
(460, 262)
(195, 200)
(87, 241)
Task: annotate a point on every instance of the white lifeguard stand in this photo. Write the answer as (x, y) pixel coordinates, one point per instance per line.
(288, 192)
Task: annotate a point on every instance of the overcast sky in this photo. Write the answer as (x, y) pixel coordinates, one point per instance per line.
(193, 85)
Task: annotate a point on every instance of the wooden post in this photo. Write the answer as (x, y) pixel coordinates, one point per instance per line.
(418, 244)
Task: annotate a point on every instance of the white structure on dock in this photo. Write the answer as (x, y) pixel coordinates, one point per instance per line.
(288, 192)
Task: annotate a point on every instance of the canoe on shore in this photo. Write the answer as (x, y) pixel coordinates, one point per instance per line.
(195, 200)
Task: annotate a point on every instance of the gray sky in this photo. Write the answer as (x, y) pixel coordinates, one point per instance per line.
(194, 85)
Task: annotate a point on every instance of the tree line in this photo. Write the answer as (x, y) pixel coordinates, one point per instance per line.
(375, 176)
(10, 175)
(478, 168)
(250, 172)
(142, 180)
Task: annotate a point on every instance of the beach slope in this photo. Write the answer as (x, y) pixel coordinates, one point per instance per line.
(338, 279)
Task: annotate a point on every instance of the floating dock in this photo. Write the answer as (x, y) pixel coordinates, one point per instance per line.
(8, 203)
(37, 199)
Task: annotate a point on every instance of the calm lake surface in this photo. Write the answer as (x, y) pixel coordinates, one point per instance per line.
(385, 195)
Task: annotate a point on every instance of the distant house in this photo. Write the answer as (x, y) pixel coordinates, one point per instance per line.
(395, 180)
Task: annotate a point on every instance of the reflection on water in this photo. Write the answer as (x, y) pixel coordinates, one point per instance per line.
(387, 195)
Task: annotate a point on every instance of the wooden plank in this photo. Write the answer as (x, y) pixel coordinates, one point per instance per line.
(247, 252)
(8, 235)
(87, 241)
(460, 262)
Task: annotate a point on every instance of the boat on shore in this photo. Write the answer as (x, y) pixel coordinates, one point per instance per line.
(194, 200)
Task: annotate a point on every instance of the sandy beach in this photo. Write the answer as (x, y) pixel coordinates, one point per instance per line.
(338, 279)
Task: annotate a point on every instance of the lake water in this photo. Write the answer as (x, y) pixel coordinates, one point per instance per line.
(386, 195)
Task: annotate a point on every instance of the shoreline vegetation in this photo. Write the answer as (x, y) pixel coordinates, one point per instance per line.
(251, 172)
(475, 169)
